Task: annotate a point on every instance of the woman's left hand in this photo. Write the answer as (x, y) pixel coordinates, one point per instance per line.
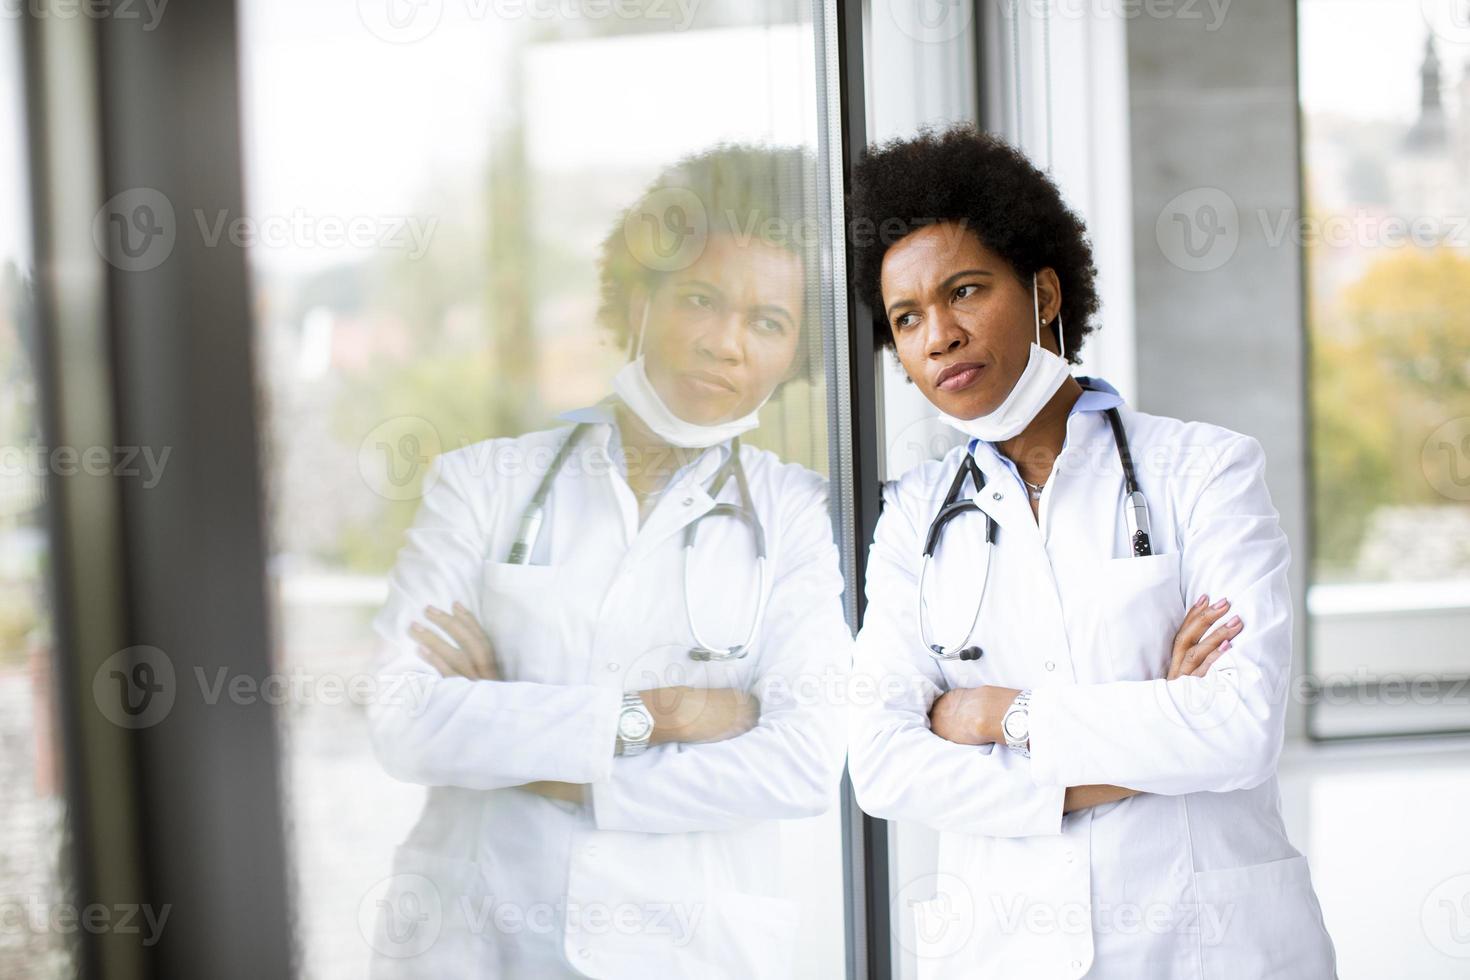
(471, 655)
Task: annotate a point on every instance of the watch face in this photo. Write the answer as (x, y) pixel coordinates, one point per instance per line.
(1015, 726)
(634, 726)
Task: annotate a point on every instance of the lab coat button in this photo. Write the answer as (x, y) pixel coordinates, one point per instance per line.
(688, 501)
(1050, 665)
(612, 666)
(997, 495)
(1068, 857)
(584, 952)
(1076, 964)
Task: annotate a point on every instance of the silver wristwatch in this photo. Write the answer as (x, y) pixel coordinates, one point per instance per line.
(635, 725)
(1016, 724)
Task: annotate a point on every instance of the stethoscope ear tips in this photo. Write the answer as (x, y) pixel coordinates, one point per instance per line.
(971, 653)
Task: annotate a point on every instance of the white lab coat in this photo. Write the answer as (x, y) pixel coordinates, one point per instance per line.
(672, 870)
(1195, 878)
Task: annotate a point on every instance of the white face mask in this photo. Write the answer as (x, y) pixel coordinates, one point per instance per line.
(1043, 375)
(637, 392)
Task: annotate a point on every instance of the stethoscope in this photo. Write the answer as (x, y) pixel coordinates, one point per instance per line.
(1135, 513)
(535, 515)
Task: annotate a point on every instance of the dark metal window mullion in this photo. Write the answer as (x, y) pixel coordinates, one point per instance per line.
(183, 361)
(865, 838)
(102, 859)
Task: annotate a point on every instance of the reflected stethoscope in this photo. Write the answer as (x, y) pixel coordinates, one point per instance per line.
(535, 515)
(1135, 511)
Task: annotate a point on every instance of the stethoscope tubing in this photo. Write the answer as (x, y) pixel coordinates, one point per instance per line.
(1135, 510)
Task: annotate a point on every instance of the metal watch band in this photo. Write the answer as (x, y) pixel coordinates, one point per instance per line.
(1021, 705)
(633, 705)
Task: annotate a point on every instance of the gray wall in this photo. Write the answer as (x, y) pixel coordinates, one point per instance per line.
(1213, 106)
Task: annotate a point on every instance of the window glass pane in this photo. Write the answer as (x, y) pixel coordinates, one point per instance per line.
(460, 214)
(921, 73)
(33, 830)
(1386, 158)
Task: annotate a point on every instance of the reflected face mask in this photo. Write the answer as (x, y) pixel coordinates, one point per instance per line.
(633, 386)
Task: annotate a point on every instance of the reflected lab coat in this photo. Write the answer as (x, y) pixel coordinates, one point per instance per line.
(1195, 877)
(673, 868)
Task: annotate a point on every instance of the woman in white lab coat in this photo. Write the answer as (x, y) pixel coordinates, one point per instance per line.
(602, 803)
(1102, 770)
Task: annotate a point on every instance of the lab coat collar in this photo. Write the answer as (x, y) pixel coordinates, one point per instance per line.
(686, 497)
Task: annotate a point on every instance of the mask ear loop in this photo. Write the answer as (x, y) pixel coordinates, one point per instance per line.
(1036, 303)
(637, 343)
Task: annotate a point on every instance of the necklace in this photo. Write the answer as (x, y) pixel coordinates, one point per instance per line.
(1034, 489)
(650, 494)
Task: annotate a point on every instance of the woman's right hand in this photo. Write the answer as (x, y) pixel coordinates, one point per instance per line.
(1194, 652)
(700, 714)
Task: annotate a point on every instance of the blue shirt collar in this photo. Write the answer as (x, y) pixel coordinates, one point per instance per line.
(598, 412)
(1097, 396)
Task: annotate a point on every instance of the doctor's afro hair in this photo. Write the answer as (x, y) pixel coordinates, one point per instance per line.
(960, 174)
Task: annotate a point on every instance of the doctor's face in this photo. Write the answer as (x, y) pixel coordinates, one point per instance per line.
(723, 333)
(962, 320)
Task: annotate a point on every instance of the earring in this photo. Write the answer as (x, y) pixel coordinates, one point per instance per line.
(1061, 337)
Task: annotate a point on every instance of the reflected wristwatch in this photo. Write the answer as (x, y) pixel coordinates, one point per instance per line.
(635, 725)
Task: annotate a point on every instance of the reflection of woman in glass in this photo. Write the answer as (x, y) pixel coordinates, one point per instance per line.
(1107, 799)
(607, 756)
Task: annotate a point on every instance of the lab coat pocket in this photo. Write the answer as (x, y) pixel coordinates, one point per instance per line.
(749, 936)
(1142, 608)
(420, 921)
(518, 612)
(1262, 921)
